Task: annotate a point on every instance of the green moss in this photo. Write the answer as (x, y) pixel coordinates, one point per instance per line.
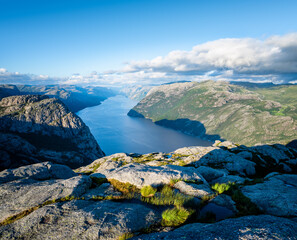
(98, 181)
(126, 236)
(125, 188)
(25, 213)
(95, 166)
(244, 205)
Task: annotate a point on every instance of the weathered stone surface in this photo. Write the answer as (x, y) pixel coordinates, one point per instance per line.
(211, 174)
(222, 159)
(217, 158)
(229, 178)
(196, 190)
(81, 219)
(104, 190)
(276, 196)
(262, 227)
(141, 175)
(219, 212)
(38, 171)
(274, 152)
(224, 201)
(20, 195)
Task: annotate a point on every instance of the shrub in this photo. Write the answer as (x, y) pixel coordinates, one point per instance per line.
(148, 191)
(222, 187)
(175, 216)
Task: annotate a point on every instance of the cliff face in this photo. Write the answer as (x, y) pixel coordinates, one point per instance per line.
(237, 113)
(47, 129)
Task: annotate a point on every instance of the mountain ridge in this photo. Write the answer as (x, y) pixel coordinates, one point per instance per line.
(233, 112)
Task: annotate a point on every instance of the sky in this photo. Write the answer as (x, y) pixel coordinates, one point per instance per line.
(110, 42)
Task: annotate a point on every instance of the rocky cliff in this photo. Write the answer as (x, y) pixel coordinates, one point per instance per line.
(220, 192)
(38, 128)
(76, 98)
(219, 110)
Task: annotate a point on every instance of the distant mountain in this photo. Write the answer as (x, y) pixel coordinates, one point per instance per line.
(136, 92)
(76, 98)
(38, 128)
(220, 110)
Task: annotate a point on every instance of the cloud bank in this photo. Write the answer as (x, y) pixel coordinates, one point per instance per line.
(273, 59)
(233, 59)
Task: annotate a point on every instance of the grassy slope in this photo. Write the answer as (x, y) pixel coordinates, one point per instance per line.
(245, 116)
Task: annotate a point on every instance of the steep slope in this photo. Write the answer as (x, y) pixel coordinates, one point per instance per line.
(76, 98)
(223, 110)
(37, 128)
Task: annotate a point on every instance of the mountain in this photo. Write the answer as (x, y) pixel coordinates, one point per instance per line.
(219, 110)
(137, 92)
(76, 98)
(35, 128)
(219, 192)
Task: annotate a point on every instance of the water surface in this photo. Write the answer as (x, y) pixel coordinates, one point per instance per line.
(116, 132)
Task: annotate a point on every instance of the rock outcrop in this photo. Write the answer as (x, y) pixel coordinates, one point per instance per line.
(245, 228)
(190, 193)
(37, 128)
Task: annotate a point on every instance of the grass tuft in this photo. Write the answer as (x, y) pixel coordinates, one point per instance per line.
(148, 191)
(175, 216)
(168, 197)
(222, 187)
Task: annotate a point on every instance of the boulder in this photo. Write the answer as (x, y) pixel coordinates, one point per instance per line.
(229, 178)
(211, 174)
(80, 219)
(38, 171)
(244, 228)
(196, 190)
(20, 195)
(104, 190)
(276, 196)
(141, 175)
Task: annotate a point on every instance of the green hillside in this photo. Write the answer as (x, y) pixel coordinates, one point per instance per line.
(245, 115)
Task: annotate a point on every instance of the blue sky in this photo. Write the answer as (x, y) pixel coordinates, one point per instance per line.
(59, 38)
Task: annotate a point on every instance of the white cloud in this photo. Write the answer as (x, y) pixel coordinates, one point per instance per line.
(230, 57)
(237, 59)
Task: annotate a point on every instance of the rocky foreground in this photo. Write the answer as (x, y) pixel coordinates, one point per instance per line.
(220, 192)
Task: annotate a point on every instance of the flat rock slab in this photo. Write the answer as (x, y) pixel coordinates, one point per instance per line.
(38, 171)
(141, 175)
(262, 227)
(211, 174)
(80, 219)
(276, 196)
(104, 190)
(196, 190)
(20, 195)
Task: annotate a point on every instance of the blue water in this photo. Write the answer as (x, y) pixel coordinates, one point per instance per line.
(116, 132)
